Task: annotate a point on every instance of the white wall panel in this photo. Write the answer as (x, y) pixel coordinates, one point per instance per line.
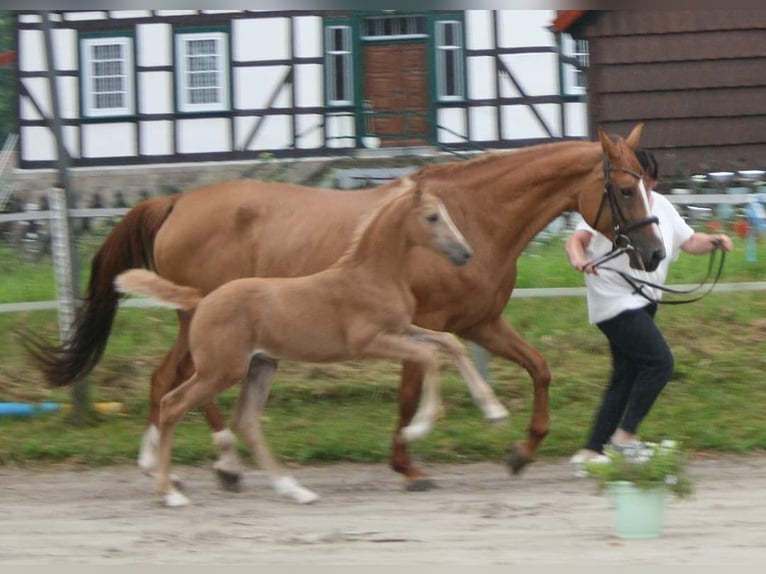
(481, 78)
(154, 44)
(203, 135)
(483, 123)
(522, 28)
(275, 133)
(479, 31)
(340, 126)
(454, 119)
(255, 86)
(157, 138)
(130, 13)
(311, 126)
(576, 119)
(537, 73)
(31, 51)
(65, 49)
(109, 140)
(261, 39)
(520, 123)
(155, 92)
(308, 85)
(308, 37)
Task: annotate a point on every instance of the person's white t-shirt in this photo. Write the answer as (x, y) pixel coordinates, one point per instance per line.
(608, 293)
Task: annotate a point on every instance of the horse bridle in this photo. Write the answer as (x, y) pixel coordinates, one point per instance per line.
(622, 244)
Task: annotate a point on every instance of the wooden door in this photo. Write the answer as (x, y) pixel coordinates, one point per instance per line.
(396, 89)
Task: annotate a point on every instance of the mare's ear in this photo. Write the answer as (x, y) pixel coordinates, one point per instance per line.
(609, 147)
(635, 135)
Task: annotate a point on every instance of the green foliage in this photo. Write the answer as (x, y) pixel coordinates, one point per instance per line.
(662, 464)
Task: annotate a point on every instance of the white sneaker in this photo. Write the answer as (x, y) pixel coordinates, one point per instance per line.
(578, 460)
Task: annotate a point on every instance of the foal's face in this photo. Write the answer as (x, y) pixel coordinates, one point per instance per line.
(432, 227)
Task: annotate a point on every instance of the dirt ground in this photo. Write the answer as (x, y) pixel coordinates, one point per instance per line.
(478, 515)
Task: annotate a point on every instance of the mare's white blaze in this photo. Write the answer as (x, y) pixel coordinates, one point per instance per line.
(288, 486)
(648, 207)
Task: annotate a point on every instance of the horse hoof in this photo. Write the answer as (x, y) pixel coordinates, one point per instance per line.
(174, 499)
(498, 415)
(516, 460)
(289, 487)
(420, 484)
(415, 432)
(229, 481)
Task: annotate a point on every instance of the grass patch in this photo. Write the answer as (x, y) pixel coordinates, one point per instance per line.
(347, 412)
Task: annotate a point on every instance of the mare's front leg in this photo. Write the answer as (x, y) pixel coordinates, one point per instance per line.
(499, 338)
(247, 423)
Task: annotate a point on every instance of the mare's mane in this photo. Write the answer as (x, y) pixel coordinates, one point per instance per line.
(366, 220)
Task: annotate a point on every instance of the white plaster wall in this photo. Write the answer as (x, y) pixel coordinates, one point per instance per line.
(109, 140)
(203, 135)
(130, 13)
(481, 78)
(576, 119)
(308, 37)
(311, 124)
(273, 134)
(483, 123)
(340, 126)
(521, 28)
(454, 119)
(309, 84)
(156, 138)
(254, 87)
(536, 73)
(154, 44)
(155, 92)
(478, 24)
(266, 39)
(520, 123)
(37, 143)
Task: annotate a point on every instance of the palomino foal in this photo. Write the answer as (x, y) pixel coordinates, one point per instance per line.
(361, 307)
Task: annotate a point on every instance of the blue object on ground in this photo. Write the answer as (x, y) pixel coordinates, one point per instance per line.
(23, 410)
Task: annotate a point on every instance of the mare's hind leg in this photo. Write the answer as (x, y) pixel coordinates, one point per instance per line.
(499, 338)
(247, 423)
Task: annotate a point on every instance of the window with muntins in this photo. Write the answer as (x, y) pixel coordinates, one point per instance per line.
(339, 65)
(107, 69)
(575, 60)
(202, 65)
(449, 60)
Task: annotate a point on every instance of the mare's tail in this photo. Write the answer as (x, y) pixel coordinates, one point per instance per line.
(149, 284)
(130, 244)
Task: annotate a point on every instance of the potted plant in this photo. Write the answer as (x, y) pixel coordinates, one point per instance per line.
(638, 481)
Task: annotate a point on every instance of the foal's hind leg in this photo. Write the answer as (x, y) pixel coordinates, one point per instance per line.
(247, 423)
(177, 367)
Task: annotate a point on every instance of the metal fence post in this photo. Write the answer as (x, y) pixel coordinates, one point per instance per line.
(62, 260)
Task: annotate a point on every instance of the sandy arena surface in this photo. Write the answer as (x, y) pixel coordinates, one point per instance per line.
(479, 515)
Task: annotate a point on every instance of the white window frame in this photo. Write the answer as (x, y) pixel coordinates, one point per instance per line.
(442, 48)
(578, 50)
(89, 104)
(222, 73)
(346, 55)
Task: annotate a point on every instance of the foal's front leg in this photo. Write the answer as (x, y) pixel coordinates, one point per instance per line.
(482, 393)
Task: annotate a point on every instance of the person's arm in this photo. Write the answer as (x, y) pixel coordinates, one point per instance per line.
(575, 249)
(705, 243)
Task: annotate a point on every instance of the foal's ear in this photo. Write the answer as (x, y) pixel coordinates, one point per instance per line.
(411, 185)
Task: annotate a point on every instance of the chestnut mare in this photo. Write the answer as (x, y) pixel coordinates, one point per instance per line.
(500, 201)
(360, 307)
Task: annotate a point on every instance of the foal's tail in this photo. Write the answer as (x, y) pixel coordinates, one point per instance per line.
(149, 284)
(130, 244)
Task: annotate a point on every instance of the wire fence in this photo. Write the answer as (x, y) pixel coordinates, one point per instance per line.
(32, 232)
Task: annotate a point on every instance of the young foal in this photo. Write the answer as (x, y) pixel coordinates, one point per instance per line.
(361, 307)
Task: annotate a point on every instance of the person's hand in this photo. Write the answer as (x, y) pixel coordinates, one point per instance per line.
(722, 241)
(583, 266)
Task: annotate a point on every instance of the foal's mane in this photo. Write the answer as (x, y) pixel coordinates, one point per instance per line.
(408, 190)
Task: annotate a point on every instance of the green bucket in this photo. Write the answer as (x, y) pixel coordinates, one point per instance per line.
(638, 512)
